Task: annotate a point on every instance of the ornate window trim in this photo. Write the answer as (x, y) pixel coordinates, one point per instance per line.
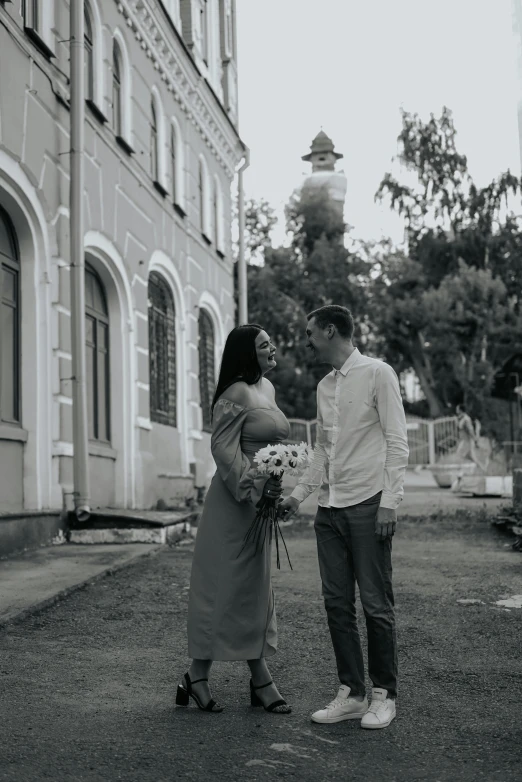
(188, 89)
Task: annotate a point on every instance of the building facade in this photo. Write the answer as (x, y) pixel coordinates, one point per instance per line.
(161, 151)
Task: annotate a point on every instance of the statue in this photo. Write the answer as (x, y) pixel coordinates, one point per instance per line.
(468, 445)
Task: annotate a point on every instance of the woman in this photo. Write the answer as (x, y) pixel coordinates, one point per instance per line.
(231, 614)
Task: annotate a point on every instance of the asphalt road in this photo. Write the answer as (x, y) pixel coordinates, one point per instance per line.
(87, 687)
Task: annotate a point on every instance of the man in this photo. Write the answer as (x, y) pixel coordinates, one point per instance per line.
(359, 461)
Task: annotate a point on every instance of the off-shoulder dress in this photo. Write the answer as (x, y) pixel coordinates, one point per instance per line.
(231, 613)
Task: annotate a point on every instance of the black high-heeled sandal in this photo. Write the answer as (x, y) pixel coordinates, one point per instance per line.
(255, 700)
(184, 693)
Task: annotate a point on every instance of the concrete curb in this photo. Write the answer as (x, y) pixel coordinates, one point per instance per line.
(37, 608)
(153, 535)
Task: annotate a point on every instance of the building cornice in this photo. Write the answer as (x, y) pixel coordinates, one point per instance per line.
(183, 80)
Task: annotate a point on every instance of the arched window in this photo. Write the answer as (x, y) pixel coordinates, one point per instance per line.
(162, 352)
(117, 113)
(154, 169)
(9, 323)
(206, 367)
(98, 358)
(89, 54)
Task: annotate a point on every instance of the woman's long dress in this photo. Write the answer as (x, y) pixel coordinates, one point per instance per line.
(231, 614)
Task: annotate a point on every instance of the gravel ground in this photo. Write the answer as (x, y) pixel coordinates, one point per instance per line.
(88, 685)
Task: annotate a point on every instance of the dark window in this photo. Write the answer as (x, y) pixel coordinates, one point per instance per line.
(202, 210)
(162, 352)
(204, 31)
(229, 30)
(153, 143)
(98, 359)
(9, 323)
(216, 215)
(173, 162)
(89, 55)
(31, 12)
(116, 90)
(206, 367)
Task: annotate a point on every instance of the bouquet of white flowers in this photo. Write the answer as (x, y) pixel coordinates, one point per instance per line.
(275, 460)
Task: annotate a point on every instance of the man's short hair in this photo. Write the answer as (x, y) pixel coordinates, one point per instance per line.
(340, 317)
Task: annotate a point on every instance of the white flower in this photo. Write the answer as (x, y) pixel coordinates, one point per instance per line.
(271, 459)
(279, 459)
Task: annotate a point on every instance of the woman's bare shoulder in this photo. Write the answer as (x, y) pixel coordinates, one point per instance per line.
(238, 392)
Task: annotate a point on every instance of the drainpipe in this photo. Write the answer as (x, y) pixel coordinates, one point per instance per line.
(77, 276)
(241, 260)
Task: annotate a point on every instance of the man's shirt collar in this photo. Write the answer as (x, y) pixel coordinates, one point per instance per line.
(348, 364)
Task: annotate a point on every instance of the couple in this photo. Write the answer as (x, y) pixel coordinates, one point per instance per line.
(359, 464)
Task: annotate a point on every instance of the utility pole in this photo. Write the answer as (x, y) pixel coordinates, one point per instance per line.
(77, 274)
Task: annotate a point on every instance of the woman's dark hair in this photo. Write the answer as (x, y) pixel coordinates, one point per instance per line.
(239, 361)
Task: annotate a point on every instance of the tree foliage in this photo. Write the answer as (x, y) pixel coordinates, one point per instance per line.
(448, 307)
(315, 269)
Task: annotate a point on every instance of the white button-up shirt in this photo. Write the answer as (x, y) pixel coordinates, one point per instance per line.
(361, 444)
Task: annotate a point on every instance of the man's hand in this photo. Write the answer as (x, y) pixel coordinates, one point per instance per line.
(288, 507)
(385, 523)
(273, 487)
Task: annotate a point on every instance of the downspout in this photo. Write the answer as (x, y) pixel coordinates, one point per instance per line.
(77, 272)
(241, 260)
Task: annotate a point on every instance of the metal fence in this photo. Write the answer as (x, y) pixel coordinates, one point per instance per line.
(427, 440)
(302, 431)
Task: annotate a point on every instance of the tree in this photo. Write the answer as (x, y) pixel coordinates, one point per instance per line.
(315, 269)
(464, 253)
(260, 220)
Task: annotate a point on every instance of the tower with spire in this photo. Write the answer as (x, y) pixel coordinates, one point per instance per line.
(323, 158)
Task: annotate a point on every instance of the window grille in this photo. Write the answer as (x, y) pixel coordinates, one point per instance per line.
(162, 352)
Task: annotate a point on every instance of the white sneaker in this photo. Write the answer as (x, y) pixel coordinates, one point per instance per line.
(342, 708)
(381, 712)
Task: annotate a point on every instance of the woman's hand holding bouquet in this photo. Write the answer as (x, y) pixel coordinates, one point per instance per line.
(274, 461)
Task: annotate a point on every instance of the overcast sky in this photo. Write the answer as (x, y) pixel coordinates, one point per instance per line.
(348, 66)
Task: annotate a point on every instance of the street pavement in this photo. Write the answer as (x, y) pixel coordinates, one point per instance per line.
(88, 684)
(36, 579)
(421, 495)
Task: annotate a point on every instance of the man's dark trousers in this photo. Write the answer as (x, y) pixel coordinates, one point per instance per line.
(350, 551)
